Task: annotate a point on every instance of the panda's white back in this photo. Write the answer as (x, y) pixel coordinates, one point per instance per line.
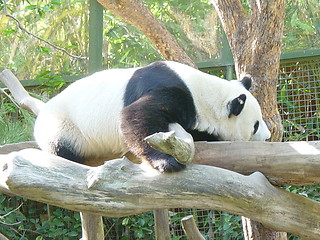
(76, 108)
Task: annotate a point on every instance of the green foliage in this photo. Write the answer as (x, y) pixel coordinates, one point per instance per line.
(139, 226)
(19, 223)
(302, 25)
(16, 124)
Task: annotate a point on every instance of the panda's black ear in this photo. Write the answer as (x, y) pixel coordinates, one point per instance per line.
(236, 105)
(246, 81)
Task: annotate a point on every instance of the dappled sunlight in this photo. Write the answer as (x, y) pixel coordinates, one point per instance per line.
(304, 148)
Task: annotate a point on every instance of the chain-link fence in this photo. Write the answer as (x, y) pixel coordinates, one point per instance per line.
(299, 99)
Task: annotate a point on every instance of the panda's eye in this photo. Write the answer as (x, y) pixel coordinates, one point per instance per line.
(256, 126)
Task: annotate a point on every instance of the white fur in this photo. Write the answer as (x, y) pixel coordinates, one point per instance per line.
(92, 107)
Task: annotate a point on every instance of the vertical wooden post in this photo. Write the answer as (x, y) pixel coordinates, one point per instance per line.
(161, 220)
(254, 230)
(95, 36)
(92, 227)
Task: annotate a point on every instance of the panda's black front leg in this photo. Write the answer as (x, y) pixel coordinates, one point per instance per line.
(140, 119)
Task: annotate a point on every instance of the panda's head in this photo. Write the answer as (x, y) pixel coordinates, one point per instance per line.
(241, 117)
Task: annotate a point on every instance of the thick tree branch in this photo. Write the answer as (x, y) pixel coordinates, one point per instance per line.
(121, 188)
(284, 163)
(233, 18)
(178, 143)
(273, 159)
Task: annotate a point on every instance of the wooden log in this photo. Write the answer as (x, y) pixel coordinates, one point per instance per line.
(254, 230)
(13, 147)
(121, 188)
(190, 228)
(274, 160)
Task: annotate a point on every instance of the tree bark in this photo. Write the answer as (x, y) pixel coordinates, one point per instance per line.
(120, 188)
(255, 230)
(255, 40)
(137, 14)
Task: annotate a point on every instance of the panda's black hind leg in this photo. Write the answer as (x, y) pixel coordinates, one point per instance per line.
(142, 118)
(64, 149)
(165, 163)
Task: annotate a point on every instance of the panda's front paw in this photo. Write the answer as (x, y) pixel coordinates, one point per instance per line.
(168, 164)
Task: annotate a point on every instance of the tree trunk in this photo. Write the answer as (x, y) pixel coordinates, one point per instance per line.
(255, 40)
(137, 14)
(255, 230)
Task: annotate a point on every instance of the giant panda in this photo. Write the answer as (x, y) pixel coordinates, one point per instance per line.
(111, 112)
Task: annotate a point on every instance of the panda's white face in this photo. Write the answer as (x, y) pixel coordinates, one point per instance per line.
(242, 119)
(248, 125)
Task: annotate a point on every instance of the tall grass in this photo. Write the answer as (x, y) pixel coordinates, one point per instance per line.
(16, 124)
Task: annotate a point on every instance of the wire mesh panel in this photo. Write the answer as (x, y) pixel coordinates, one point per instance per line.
(299, 100)
(212, 224)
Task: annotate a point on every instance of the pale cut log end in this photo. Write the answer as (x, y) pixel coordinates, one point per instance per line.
(182, 149)
(190, 228)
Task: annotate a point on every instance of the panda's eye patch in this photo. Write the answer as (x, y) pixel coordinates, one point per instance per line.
(256, 126)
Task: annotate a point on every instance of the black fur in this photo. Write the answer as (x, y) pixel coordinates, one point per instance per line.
(155, 96)
(203, 136)
(236, 105)
(256, 127)
(246, 81)
(63, 148)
